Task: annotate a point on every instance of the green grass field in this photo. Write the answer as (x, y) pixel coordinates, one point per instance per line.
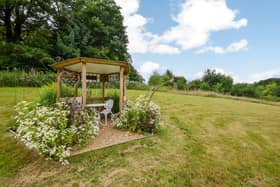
(203, 141)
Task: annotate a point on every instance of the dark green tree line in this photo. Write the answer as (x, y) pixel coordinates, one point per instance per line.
(36, 33)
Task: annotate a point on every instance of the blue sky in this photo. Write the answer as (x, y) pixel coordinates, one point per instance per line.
(236, 37)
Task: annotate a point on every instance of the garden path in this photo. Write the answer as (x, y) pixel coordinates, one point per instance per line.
(108, 136)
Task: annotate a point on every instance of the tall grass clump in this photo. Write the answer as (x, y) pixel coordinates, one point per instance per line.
(25, 79)
(47, 95)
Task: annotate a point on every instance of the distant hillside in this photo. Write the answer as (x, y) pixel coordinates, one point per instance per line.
(269, 81)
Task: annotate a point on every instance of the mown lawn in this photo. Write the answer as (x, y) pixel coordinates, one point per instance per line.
(204, 141)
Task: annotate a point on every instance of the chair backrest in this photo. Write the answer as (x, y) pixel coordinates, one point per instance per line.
(76, 102)
(109, 105)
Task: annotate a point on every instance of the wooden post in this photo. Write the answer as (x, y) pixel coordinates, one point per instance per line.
(76, 86)
(124, 90)
(103, 91)
(76, 89)
(58, 83)
(121, 88)
(84, 84)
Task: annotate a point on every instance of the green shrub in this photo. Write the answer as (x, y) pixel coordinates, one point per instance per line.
(141, 115)
(52, 130)
(115, 95)
(47, 96)
(86, 125)
(25, 79)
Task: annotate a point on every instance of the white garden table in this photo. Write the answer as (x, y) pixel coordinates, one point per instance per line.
(97, 105)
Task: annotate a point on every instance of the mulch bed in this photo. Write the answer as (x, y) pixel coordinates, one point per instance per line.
(108, 136)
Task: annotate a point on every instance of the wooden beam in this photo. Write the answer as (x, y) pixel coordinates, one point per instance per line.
(67, 62)
(88, 60)
(70, 71)
(58, 83)
(72, 61)
(84, 84)
(121, 89)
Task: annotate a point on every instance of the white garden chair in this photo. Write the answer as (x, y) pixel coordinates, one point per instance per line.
(108, 110)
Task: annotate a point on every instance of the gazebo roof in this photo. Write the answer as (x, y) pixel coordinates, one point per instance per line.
(94, 65)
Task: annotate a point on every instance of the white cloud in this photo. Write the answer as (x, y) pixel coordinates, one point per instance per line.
(198, 75)
(141, 41)
(147, 69)
(128, 7)
(232, 48)
(221, 71)
(274, 73)
(194, 25)
(237, 46)
(197, 19)
(164, 49)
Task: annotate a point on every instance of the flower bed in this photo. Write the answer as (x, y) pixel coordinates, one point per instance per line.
(50, 130)
(142, 115)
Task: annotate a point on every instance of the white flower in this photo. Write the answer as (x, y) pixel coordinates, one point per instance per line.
(46, 129)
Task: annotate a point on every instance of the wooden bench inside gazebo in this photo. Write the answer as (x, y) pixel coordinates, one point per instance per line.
(86, 69)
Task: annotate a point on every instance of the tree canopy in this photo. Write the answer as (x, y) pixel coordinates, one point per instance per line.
(35, 33)
(216, 81)
(134, 75)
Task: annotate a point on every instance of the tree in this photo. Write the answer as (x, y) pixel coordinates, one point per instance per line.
(66, 46)
(134, 75)
(181, 83)
(35, 33)
(204, 86)
(20, 56)
(156, 79)
(167, 76)
(101, 30)
(243, 89)
(195, 84)
(217, 81)
(276, 91)
(27, 36)
(20, 17)
(269, 81)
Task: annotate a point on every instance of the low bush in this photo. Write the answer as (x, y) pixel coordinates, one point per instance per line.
(50, 130)
(25, 79)
(142, 115)
(85, 126)
(47, 96)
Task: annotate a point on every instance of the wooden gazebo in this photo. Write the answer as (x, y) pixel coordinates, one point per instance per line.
(84, 69)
